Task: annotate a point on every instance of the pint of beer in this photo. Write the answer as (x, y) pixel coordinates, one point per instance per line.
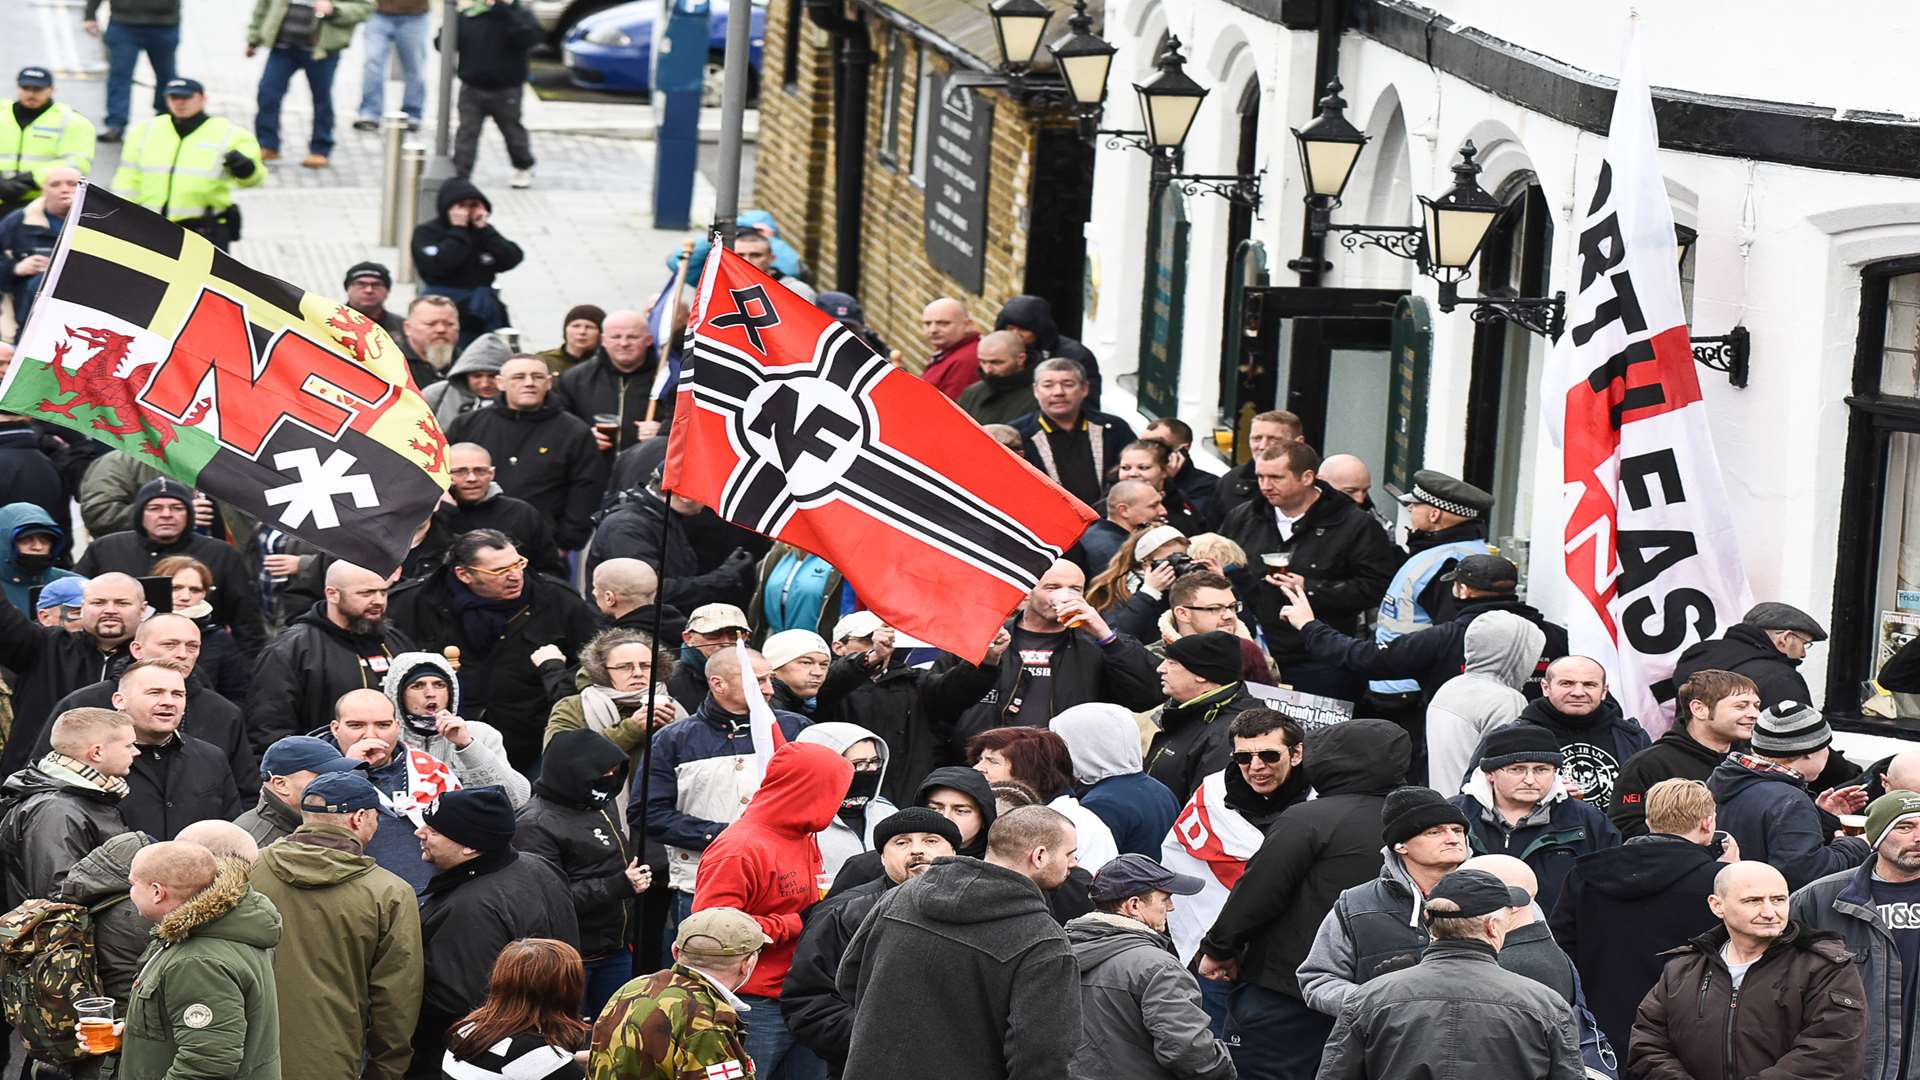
(95, 1026)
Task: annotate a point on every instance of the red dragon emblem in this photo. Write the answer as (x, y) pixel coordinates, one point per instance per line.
(359, 339)
(99, 383)
(435, 448)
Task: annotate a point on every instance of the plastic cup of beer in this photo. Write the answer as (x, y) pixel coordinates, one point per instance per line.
(95, 1025)
(1277, 561)
(608, 423)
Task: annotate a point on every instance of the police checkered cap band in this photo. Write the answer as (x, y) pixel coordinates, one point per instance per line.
(1423, 495)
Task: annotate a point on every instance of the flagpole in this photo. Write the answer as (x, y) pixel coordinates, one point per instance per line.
(733, 121)
(672, 297)
(653, 684)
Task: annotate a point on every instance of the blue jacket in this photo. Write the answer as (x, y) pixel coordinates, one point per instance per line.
(1139, 809)
(1774, 821)
(1549, 842)
(702, 775)
(19, 583)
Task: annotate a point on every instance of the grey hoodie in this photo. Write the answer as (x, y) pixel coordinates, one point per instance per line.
(838, 842)
(1501, 651)
(451, 397)
(483, 760)
(1140, 1009)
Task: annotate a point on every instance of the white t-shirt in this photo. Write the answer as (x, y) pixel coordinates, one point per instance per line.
(1284, 523)
(1738, 971)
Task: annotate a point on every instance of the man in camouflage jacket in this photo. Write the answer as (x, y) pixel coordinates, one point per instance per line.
(684, 1023)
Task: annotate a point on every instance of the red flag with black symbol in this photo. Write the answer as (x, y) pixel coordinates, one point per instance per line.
(788, 424)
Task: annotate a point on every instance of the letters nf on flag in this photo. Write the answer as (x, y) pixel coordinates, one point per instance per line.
(287, 405)
(785, 422)
(1638, 553)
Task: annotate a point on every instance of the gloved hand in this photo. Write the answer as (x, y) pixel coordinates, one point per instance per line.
(239, 164)
(17, 186)
(740, 564)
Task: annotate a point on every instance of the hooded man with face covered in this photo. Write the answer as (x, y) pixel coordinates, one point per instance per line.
(572, 822)
(851, 832)
(955, 792)
(426, 696)
(767, 864)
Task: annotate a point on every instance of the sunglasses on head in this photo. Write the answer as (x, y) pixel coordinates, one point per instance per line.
(1245, 757)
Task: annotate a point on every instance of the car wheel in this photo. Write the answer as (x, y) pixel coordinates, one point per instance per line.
(713, 84)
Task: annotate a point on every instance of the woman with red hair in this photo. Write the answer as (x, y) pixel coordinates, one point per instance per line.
(1039, 759)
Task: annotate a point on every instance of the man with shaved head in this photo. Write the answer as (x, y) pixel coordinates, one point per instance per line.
(207, 1003)
(223, 839)
(704, 772)
(342, 643)
(618, 382)
(627, 592)
(476, 501)
(955, 339)
(542, 452)
(1595, 735)
(1005, 390)
(1794, 990)
(210, 717)
(1130, 504)
(49, 662)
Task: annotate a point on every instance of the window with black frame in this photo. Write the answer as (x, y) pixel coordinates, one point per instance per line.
(1877, 582)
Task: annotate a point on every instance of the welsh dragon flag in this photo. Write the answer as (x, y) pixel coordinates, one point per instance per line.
(1634, 547)
(288, 405)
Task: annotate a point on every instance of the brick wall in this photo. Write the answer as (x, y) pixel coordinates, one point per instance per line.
(796, 177)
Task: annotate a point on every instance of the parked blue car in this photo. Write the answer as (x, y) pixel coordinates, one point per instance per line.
(613, 50)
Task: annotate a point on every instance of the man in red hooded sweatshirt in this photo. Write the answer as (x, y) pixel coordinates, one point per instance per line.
(767, 864)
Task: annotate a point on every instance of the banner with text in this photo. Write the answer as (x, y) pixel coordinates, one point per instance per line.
(1647, 561)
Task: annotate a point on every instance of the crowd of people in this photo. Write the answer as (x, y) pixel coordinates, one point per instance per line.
(501, 812)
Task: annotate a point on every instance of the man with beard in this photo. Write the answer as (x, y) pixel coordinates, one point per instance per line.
(1595, 735)
(163, 520)
(479, 503)
(342, 643)
(542, 453)
(908, 841)
(1139, 1008)
(177, 779)
(518, 634)
(618, 383)
(49, 663)
(429, 338)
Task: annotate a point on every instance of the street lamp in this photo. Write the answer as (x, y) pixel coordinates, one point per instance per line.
(1168, 102)
(1018, 26)
(1084, 60)
(1454, 228)
(1329, 149)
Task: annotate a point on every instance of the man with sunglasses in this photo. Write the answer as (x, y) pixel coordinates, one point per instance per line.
(1516, 805)
(1767, 646)
(519, 635)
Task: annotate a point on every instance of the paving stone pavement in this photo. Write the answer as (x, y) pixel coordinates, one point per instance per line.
(585, 225)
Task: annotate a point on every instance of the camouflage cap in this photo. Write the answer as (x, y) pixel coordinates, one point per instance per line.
(719, 933)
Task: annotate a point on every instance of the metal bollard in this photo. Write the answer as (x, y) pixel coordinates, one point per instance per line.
(393, 132)
(413, 161)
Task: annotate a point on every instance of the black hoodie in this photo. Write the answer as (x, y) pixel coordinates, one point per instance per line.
(1746, 650)
(236, 595)
(1313, 851)
(865, 866)
(308, 667)
(461, 256)
(1034, 314)
(1620, 908)
(1675, 754)
(545, 457)
(570, 822)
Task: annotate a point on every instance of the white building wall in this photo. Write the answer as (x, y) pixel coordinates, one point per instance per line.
(1780, 249)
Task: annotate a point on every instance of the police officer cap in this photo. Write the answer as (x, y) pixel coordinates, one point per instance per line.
(720, 933)
(34, 77)
(1443, 492)
(184, 87)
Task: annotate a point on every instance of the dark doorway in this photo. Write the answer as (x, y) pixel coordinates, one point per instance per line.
(1056, 238)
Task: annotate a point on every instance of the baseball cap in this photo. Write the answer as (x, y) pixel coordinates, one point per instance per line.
(1477, 893)
(184, 87)
(720, 933)
(1492, 572)
(339, 793)
(303, 753)
(32, 76)
(1132, 875)
(708, 618)
(66, 592)
(841, 306)
(857, 624)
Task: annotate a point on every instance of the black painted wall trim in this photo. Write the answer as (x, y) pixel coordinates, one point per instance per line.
(1806, 135)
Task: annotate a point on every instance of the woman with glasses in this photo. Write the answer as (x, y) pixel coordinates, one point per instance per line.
(616, 669)
(851, 831)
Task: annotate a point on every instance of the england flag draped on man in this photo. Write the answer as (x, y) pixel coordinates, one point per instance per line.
(1647, 561)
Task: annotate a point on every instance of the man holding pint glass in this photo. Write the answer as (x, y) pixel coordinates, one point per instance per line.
(1055, 653)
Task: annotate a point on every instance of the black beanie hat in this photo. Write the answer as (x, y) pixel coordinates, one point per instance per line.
(1515, 743)
(369, 269)
(480, 818)
(1410, 811)
(911, 820)
(590, 312)
(1214, 655)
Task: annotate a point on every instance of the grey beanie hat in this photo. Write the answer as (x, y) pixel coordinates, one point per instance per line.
(1789, 729)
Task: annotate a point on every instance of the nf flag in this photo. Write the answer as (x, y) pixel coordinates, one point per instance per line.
(287, 405)
(1638, 553)
(787, 423)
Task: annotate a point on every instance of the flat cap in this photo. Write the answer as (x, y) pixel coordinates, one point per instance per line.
(1774, 615)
